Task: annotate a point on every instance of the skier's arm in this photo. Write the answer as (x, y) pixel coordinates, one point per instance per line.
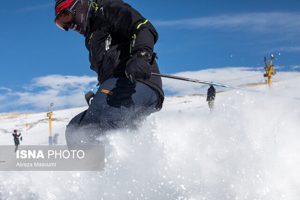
(129, 23)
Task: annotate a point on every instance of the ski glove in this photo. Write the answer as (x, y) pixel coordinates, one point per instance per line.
(138, 67)
(89, 97)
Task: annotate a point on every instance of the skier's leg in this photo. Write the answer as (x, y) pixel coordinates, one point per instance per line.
(74, 130)
(211, 105)
(117, 104)
(124, 103)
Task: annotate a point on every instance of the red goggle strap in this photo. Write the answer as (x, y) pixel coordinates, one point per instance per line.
(62, 6)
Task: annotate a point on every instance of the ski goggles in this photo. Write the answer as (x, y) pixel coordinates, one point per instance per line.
(62, 20)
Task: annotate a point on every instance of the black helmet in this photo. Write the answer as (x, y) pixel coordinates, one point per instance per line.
(65, 5)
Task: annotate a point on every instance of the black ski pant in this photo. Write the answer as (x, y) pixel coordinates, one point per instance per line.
(117, 104)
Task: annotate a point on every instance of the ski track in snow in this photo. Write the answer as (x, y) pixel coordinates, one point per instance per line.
(248, 148)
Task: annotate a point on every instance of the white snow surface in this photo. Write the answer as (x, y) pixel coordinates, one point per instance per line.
(247, 148)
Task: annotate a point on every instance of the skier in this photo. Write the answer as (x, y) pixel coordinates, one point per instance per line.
(120, 42)
(55, 138)
(16, 139)
(211, 94)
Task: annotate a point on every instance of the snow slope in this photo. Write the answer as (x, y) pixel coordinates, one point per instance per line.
(248, 148)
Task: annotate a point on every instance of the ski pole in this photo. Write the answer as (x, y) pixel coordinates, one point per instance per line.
(203, 82)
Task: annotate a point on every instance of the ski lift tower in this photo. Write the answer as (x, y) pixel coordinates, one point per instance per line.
(269, 70)
(50, 114)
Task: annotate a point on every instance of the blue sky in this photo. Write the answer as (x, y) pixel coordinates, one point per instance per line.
(39, 60)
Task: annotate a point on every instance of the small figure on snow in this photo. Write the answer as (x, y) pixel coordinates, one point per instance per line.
(55, 138)
(120, 42)
(16, 139)
(211, 94)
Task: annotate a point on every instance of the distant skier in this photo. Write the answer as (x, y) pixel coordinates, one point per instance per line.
(16, 139)
(55, 138)
(211, 94)
(120, 43)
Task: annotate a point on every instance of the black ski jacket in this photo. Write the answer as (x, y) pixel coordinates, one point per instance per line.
(116, 32)
(16, 138)
(211, 93)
